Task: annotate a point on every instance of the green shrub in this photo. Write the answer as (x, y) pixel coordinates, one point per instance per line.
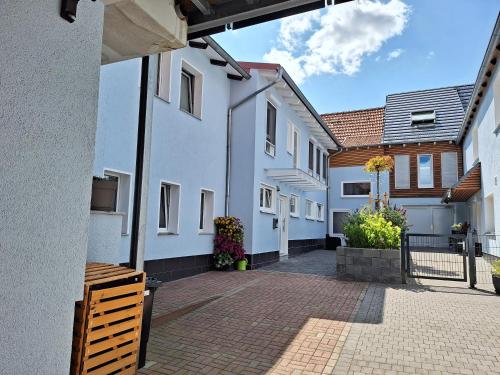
(368, 229)
(397, 216)
(495, 268)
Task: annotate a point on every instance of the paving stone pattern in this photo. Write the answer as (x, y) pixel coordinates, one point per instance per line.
(317, 262)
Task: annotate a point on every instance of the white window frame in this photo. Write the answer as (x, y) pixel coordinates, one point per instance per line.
(475, 143)
(164, 81)
(320, 213)
(354, 182)
(396, 186)
(272, 209)
(431, 185)
(489, 214)
(269, 148)
(295, 213)
(312, 216)
(289, 137)
(332, 211)
(124, 211)
(198, 86)
(309, 143)
(324, 166)
(208, 212)
(174, 229)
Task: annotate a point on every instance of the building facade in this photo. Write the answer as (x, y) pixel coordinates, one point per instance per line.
(278, 163)
(418, 130)
(478, 190)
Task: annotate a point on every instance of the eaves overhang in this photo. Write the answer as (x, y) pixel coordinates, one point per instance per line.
(483, 80)
(206, 17)
(468, 185)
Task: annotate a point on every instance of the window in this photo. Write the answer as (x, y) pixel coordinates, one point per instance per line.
(356, 189)
(163, 77)
(206, 222)
(449, 169)
(425, 171)
(289, 138)
(318, 162)
(191, 87)
(311, 157)
(423, 117)
(294, 206)
(338, 219)
(169, 208)
(401, 171)
(187, 89)
(267, 199)
(309, 210)
(320, 214)
(325, 165)
(271, 130)
(475, 144)
(490, 214)
(111, 193)
(496, 101)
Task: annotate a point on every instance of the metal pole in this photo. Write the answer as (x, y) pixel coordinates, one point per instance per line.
(471, 253)
(403, 258)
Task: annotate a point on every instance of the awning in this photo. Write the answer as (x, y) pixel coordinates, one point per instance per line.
(296, 178)
(466, 187)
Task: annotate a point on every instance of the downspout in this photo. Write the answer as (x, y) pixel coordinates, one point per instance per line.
(229, 128)
(328, 192)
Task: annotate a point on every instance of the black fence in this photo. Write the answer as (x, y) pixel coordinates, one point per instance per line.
(433, 256)
(486, 249)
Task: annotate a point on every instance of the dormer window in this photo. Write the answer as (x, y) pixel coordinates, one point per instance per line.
(419, 118)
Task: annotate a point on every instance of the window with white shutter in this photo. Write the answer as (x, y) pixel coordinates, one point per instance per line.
(163, 78)
(401, 171)
(289, 138)
(449, 169)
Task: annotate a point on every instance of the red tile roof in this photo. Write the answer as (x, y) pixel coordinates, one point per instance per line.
(357, 128)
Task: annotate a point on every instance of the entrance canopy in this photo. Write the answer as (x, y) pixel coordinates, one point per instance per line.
(466, 187)
(296, 178)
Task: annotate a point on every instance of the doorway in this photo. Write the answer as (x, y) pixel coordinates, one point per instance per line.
(283, 225)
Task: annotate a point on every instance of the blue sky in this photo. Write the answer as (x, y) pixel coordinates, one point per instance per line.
(352, 55)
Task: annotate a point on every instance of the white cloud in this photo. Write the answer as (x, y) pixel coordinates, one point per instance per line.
(394, 54)
(336, 41)
(431, 55)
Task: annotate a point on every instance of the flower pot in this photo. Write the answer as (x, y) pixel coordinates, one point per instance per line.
(241, 265)
(496, 283)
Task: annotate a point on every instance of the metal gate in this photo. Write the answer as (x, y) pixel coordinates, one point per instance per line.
(434, 256)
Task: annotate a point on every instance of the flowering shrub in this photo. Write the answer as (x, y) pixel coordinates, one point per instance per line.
(228, 242)
(368, 229)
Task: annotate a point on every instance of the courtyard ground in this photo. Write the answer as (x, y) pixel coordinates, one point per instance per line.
(288, 322)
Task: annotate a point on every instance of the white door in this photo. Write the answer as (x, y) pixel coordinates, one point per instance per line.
(283, 225)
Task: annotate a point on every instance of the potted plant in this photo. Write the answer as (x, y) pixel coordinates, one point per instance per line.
(228, 243)
(379, 164)
(495, 274)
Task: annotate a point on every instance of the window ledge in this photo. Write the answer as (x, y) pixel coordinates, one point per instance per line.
(166, 233)
(269, 212)
(168, 101)
(295, 216)
(114, 213)
(202, 233)
(271, 155)
(355, 196)
(321, 220)
(310, 218)
(190, 114)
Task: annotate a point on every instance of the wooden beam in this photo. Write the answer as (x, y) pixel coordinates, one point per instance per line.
(199, 45)
(218, 62)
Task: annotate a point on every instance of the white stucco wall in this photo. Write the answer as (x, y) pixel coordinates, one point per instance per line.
(49, 84)
(249, 125)
(488, 154)
(104, 237)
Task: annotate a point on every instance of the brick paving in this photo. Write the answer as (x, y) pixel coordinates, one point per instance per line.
(267, 322)
(317, 262)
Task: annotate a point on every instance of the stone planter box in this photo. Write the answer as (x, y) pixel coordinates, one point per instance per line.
(383, 266)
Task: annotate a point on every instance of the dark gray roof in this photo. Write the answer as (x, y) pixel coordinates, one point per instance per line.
(449, 103)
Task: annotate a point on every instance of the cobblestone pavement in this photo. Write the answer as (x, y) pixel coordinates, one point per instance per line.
(317, 262)
(423, 329)
(262, 322)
